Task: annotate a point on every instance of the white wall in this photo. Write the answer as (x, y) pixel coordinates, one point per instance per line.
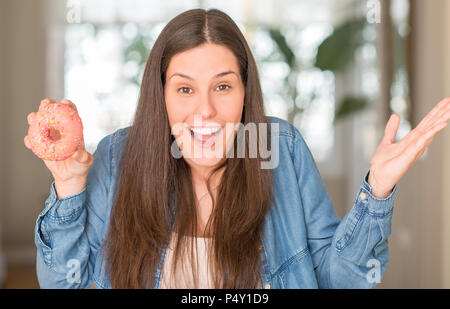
(3, 80)
(419, 240)
(25, 180)
(446, 169)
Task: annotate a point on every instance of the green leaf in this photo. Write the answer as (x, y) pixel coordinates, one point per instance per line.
(283, 46)
(349, 105)
(138, 45)
(338, 49)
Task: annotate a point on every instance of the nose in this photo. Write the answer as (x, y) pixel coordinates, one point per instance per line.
(205, 107)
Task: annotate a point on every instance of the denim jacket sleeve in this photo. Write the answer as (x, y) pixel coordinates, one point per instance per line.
(347, 253)
(68, 231)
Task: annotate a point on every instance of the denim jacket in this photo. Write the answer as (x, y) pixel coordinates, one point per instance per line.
(305, 244)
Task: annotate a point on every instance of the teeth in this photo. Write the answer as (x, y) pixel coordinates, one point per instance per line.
(205, 131)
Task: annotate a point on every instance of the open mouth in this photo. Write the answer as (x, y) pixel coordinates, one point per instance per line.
(205, 136)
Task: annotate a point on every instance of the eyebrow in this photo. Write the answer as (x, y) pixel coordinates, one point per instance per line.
(190, 78)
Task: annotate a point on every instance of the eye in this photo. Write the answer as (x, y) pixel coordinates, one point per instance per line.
(223, 87)
(185, 90)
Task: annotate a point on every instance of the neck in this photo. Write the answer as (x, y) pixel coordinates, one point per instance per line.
(204, 204)
(200, 175)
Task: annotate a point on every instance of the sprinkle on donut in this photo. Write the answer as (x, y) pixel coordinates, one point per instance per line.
(61, 119)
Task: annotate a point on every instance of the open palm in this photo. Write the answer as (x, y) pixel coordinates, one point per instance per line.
(391, 160)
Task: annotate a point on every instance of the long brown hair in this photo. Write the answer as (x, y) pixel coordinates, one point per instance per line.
(155, 194)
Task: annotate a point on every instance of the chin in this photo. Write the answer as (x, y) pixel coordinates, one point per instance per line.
(204, 162)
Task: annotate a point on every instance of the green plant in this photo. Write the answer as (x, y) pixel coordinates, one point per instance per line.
(335, 54)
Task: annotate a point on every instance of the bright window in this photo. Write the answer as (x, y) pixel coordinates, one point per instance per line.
(107, 47)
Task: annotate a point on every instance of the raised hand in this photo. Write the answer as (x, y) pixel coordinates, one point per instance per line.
(391, 160)
(70, 175)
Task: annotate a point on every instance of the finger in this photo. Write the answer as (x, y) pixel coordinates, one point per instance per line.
(443, 114)
(428, 121)
(81, 159)
(435, 113)
(435, 130)
(391, 129)
(46, 102)
(431, 137)
(30, 117)
(27, 142)
(66, 101)
(70, 103)
(77, 154)
(413, 151)
(81, 156)
(418, 132)
(441, 105)
(446, 115)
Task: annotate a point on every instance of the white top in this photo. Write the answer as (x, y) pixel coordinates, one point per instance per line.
(184, 278)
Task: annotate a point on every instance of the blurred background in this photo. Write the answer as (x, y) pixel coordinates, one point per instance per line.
(336, 69)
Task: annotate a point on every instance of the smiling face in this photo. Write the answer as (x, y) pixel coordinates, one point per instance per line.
(204, 96)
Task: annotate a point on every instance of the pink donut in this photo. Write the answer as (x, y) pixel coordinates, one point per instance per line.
(55, 132)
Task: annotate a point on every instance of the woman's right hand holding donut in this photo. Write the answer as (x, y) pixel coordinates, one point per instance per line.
(70, 175)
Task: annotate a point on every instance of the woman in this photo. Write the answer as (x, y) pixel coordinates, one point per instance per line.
(136, 215)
